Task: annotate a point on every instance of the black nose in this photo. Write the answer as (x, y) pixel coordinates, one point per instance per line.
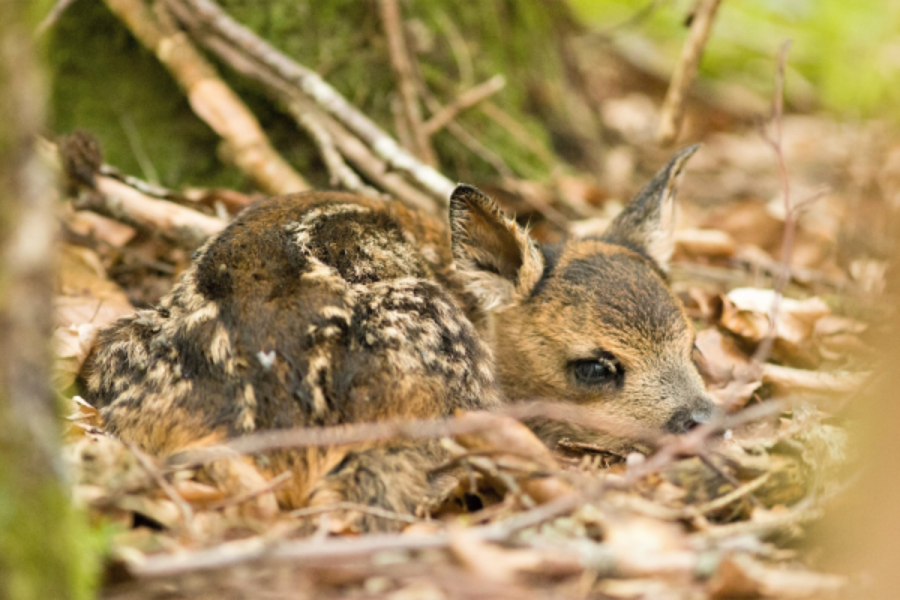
(686, 419)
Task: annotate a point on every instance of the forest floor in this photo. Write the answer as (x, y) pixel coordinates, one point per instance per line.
(721, 512)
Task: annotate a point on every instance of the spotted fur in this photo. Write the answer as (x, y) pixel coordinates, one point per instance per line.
(327, 308)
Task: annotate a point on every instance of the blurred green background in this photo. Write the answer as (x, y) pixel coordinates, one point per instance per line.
(845, 55)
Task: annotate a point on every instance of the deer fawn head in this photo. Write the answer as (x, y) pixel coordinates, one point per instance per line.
(590, 320)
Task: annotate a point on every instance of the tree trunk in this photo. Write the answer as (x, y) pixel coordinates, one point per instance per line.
(39, 557)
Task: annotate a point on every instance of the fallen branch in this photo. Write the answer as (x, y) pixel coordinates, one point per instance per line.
(403, 69)
(175, 224)
(311, 84)
(341, 173)
(299, 105)
(112, 198)
(211, 99)
(672, 113)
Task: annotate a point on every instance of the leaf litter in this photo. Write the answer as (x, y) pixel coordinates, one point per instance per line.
(718, 516)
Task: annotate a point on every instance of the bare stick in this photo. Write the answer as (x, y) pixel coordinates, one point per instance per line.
(150, 466)
(346, 143)
(53, 16)
(341, 173)
(782, 277)
(176, 224)
(119, 201)
(403, 70)
(309, 82)
(466, 100)
(726, 499)
(211, 99)
(672, 113)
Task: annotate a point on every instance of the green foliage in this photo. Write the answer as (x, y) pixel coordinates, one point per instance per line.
(845, 54)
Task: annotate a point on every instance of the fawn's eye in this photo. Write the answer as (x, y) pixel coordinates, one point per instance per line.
(604, 370)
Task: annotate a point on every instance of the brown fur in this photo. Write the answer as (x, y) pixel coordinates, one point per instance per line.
(327, 308)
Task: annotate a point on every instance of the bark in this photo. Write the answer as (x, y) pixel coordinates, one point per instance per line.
(39, 557)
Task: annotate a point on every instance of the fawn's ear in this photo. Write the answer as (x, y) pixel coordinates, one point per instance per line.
(497, 259)
(647, 224)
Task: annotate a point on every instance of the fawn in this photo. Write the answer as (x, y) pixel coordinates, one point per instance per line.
(327, 308)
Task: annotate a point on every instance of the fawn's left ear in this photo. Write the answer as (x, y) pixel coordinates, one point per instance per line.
(498, 260)
(647, 224)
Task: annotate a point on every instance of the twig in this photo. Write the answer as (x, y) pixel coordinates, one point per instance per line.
(673, 107)
(53, 16)
(735, 494)
(463, 136)
(466, 100)
(340, 172)
(403, 70)
(375, 511)
(176, 224)
(146, 188)
(518, 132)
(148, 464)
(762, 528)
(329, 549)
(706, 460)
(309, 82)
(211, 99)
(116, 200)
(764, 349)
(297, 104)
(412, 429)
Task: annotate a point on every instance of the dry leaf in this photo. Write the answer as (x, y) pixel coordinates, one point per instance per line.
(730, 375)
(747, 313)
(520, 449)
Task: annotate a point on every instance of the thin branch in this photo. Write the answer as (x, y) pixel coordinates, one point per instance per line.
(403, 70)
(764, 349)
(672, 113)
(211, 99)
(735, 494)
(53, 16)
(150, 467)
(464, 101)
(311, 84)
(340, 172)
(112, 198)
(176, 224)
(355, 151)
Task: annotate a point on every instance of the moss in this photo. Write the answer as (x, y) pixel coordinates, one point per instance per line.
(105, 83)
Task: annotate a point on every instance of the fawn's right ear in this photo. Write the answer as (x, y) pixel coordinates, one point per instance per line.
(498, 260)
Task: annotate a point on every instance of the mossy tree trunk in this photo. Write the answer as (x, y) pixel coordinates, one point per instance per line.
(40, 557)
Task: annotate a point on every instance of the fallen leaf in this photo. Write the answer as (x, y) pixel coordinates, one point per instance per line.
(747, 313)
